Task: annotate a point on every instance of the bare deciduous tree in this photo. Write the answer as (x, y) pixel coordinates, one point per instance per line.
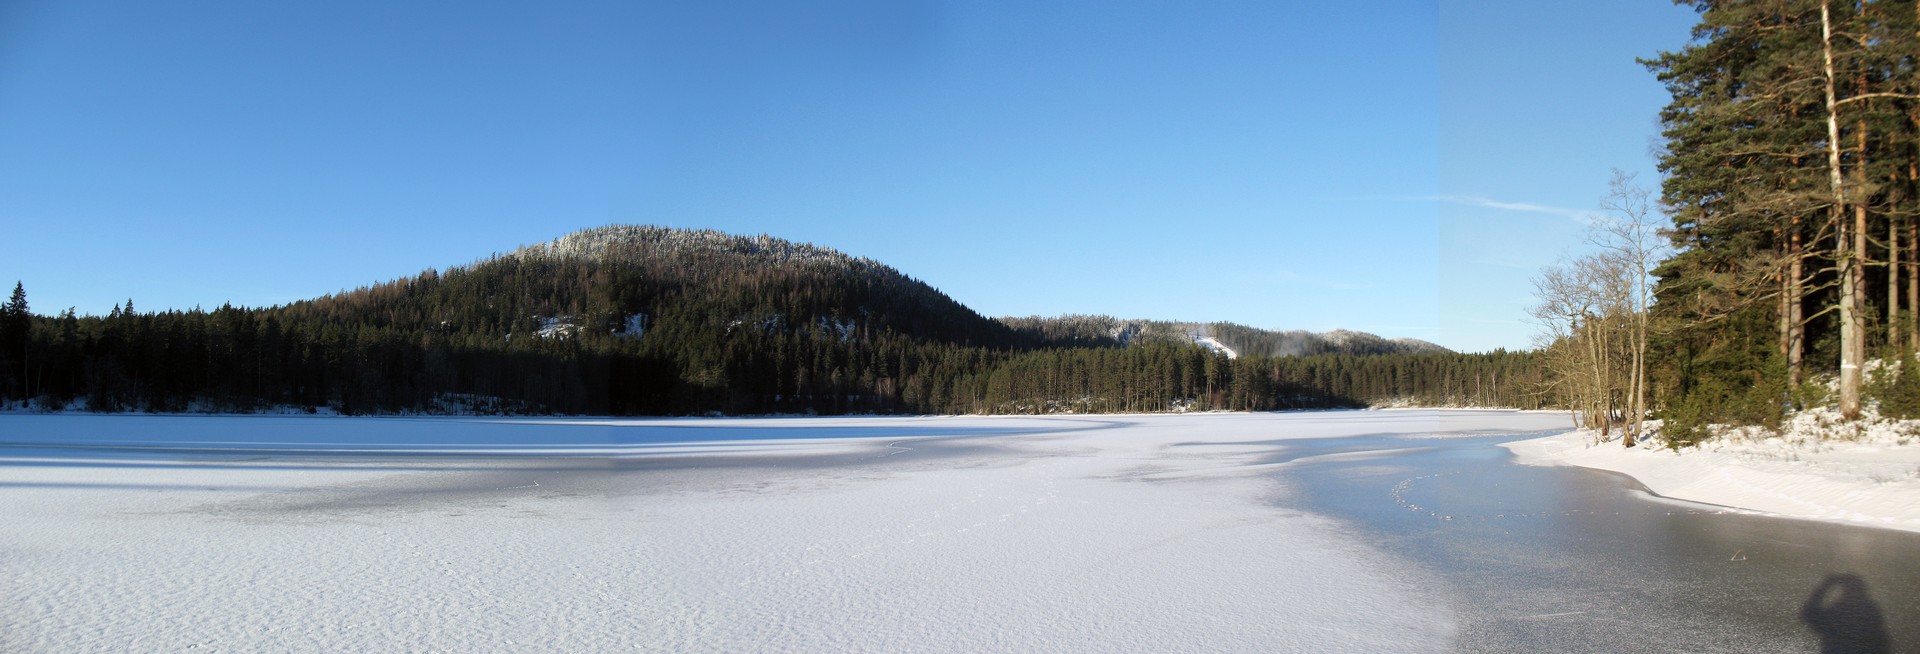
(1630, 234)
(1594, 312)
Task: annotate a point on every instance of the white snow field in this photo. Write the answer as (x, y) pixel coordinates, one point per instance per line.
(1093, 533)
(1817, 468)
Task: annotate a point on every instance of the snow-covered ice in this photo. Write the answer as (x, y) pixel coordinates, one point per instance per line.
(1818, 467)
(1101, 533)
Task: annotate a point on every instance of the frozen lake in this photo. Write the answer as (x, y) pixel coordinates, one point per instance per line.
(1336, 531)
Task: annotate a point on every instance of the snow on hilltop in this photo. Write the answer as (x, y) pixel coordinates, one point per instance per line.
(639, 241)
(1350, 339)
(1417, 345)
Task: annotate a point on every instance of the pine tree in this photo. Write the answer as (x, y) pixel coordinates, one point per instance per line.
(1790, 150)
(16, 326)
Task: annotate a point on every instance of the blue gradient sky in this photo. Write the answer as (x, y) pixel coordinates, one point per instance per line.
(1282, 165)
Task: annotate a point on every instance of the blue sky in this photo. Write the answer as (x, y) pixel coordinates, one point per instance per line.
(1282, 165)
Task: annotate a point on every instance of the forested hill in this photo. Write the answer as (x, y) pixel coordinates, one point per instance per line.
(684, 285)
(648, 320)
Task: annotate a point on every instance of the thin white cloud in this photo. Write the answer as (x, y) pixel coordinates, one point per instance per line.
(1500, 263)
(1581, 216)
(1292, 277)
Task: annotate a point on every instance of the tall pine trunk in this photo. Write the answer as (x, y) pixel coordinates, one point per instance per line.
(1796, 305)
(1793, 329)
(1848, 243)
(1893, 283)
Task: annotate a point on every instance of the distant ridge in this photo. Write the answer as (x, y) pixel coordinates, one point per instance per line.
(1241, 340)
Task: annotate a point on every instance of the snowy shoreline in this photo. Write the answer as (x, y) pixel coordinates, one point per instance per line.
(1870, 481)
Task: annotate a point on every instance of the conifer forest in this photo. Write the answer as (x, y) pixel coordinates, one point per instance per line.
(635, 320)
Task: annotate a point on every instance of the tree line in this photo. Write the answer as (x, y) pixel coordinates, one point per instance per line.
(697, 354)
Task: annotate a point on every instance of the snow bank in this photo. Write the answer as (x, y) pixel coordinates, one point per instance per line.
(1128, 533)
(1871, 479)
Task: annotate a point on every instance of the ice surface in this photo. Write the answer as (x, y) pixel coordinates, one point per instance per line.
(1103, 533)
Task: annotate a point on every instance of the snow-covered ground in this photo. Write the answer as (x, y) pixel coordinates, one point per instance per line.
(1817, 467)
(1108, 533)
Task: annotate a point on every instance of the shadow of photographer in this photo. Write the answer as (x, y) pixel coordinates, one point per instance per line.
(1845, 617)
